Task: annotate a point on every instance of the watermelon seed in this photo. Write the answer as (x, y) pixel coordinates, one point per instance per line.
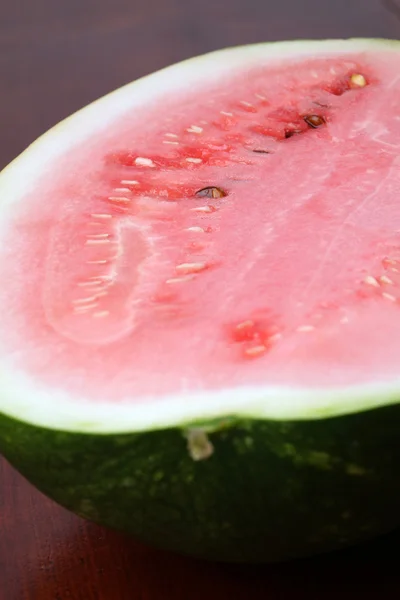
(171, 135)
(246, 103)
(170, 142)
(262, 151)
(305, 328)
(195, 229)
(199, 445)
(100, 278)
(85, 307)
(178, 279)
(226, 114)
(129, 182)
(255, 350)
(122, 190)
(275, 338)
(118, 199)
(389, 262)
(96, 262)
(291, 132)
(193, 160)
(92, 242)
(245, 325)
(389, 297)
(101, 216)
(204, 209)
(195, 129)
(386, 279)
(260, 97)
(191, 267)
(144, 162)
(84, 300)
(369, 280)
(211, 192)
(314, 121)
(89, 283)
(358, 80)
(101, 313)
(98, 235)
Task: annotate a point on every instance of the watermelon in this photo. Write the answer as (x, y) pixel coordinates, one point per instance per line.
(200, 303)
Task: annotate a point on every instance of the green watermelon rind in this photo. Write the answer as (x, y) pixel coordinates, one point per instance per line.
(268, 491)
(246, 475)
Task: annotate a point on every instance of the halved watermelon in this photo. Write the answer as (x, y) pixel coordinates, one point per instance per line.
(200, 303)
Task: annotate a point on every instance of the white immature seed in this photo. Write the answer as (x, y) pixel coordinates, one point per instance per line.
(226, 114)
(171, 135)
(260, 96)
(140, 161)
(358, 80)
(122, 190)
(97, 262)
(195, 267)
(87, 300)
(170, 142)
(174, 280)
(101, 314)
(90, 284)
(370, 280)
(389, 297)
(85, 307)
(274, 338)
(194, 129)
(97, 242)
(101, 216)
(385, 279)
(98, 236)
(305, 328)
(196, 161)
(255, 350)
(84, 301)
(203, 209)
(244, 325)
(195, 229)
(129, 182)
(119, 199)
(246, 103)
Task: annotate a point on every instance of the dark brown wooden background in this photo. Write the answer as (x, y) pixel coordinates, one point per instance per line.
(55, 57)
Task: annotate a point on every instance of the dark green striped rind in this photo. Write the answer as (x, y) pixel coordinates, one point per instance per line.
(270, 491)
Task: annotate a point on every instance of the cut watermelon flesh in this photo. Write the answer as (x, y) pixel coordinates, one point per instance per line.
(241, 231)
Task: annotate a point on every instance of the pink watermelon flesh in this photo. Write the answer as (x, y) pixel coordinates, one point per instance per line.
(126, 278)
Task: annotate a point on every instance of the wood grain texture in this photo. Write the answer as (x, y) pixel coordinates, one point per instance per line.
(55, 57)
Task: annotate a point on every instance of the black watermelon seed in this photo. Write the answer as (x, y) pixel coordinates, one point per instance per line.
(314, 121)
(211, 192)
(291, 132)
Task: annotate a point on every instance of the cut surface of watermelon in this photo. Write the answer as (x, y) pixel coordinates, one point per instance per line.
(213, 229)
(200, 318)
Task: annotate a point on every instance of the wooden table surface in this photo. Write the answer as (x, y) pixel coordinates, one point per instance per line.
(55, 57)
